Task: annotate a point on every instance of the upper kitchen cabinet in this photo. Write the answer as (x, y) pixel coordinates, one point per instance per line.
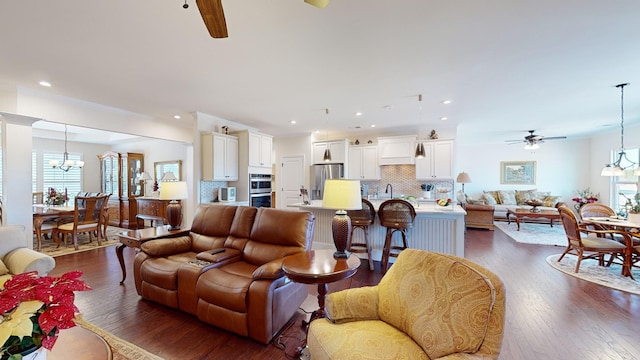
(363, 163)
(259, 149)
(219, 157)
(397, 150)
(338, 150)
(438, 161)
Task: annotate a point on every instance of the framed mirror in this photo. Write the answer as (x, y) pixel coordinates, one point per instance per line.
(162, 167)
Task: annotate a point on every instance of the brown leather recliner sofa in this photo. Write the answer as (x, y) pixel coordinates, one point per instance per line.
(242, 289)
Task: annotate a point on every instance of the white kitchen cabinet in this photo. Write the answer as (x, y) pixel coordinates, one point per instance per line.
(363, 163)
(219, 157)
(338, 150)
(397, 150)
(438, 161)
(260, 146)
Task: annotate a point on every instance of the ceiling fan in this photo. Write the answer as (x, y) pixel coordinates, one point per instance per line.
(532, 140)
(213, 15)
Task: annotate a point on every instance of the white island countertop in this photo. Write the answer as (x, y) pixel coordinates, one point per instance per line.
(436, 228)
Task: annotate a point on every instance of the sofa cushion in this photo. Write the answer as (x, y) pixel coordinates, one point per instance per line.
(3, 268)
(443, 305)
(522, 196)
(507, 197)
(549, 200)
(491, 197)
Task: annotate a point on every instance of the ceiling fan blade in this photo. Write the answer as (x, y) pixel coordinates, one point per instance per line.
(213, 16)
(318, 3)
(554, 138)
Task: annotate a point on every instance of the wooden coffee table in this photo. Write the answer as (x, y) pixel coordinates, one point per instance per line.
(526, 213)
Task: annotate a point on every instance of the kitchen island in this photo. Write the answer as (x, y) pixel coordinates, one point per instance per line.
(435, 228)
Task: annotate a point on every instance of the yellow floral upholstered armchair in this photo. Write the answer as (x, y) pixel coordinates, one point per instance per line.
(427, 306)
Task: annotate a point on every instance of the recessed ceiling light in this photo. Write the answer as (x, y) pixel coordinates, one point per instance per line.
(358, 113)
(373, 125)
(387, 107)
(45, 83)
(444, 118)
(176, 117)
(292, 122)
(446, 102)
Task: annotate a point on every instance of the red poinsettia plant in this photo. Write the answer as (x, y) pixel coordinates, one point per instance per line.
(33, 309)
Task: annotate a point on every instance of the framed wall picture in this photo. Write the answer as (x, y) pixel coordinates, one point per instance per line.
(518, 172)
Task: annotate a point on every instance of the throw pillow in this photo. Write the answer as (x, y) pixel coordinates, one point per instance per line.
(508, 197)
(489, 198)
(550, 201)
(3, 268)
(522, 196)
(540, 195)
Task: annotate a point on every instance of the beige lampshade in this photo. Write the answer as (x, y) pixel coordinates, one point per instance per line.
(169, 176)
(341, 194)
(463, 178)
(145, 176)
(174, 190)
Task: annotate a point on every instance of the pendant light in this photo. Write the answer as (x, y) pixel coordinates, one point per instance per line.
(420, 153)
(616, 168)
(66, 164)
(327, 151)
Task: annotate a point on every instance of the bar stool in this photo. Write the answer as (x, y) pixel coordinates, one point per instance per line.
(395, 215)
(361, 219)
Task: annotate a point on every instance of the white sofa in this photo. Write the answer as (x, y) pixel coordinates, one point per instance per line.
(16, 257)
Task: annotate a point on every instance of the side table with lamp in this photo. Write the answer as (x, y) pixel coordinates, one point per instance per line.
(173, 191)
(341, 195)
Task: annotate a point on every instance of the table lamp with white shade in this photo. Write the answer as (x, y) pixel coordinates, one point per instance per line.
(144, 177)
(174, 191)
(341, 195)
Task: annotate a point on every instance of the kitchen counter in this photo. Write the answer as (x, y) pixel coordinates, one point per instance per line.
(435, 228)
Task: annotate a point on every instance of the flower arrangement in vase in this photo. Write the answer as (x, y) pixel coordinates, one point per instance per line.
(632, 208)
(34, 309)
(585, 196)
(55, 197)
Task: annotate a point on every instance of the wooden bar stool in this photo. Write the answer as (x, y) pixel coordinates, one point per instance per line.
(396, 215)
(361, 219)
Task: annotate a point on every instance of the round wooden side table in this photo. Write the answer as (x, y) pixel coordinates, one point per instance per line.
(80, 343)
(318, 267)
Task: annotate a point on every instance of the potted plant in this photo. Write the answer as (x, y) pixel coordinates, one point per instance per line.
(632, 207)
(55, 197)
(585, 196)
(34, 309)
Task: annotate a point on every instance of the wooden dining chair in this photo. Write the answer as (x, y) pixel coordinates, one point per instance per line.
(589, 246)
(88, 217)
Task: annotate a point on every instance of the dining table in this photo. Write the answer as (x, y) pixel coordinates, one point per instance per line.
(624, 225)
(42, 213)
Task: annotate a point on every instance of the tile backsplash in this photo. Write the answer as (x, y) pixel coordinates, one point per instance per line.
(403, 180)
(209, 190)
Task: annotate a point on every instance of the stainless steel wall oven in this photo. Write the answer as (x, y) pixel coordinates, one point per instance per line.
(260, 190)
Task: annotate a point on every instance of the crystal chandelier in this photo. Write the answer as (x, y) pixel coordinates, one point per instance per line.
(66, 164)
(616, 168)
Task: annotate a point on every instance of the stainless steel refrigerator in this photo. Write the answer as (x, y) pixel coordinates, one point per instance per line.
(320, 173)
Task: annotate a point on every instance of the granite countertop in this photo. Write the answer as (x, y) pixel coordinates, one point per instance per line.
(420, 207)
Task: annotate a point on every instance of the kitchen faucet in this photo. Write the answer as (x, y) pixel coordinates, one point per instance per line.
(386, 190)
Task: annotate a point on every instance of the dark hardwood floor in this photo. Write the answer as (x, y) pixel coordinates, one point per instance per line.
(549, 315)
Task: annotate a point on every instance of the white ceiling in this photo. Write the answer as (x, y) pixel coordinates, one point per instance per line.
(508, 65)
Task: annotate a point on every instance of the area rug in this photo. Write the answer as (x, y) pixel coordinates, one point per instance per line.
(532, 233)
(601, 275)
(49, 246)
(122, 350)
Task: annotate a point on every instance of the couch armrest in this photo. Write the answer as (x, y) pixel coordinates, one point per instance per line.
(353, 304)
(271, 270)
(24, 260)
(479, 207)
(227, 254)
(167, 246)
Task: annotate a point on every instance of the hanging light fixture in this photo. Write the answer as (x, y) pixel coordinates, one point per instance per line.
(420, 153)
(66, 164)
(617, 167)
(327, 151)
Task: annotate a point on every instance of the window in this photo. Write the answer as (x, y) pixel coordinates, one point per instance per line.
(625, 186)
(71, 180)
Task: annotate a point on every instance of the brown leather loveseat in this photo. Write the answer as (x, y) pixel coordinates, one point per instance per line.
(241, 289)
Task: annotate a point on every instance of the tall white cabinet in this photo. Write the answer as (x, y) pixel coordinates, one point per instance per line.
(260, 146)
(363, 163)
(438, 160)
(219, 157)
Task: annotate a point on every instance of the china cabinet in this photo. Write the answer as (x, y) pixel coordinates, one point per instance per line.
(120, 177)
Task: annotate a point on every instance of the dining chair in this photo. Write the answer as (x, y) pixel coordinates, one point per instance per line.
(589, 246)
(396, 215)
(361, 219)
(598, 210)
(88, 217)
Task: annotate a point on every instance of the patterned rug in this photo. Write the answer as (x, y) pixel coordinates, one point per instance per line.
(601, 275)
(122, 350)
(49, 246)
(531, 233)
